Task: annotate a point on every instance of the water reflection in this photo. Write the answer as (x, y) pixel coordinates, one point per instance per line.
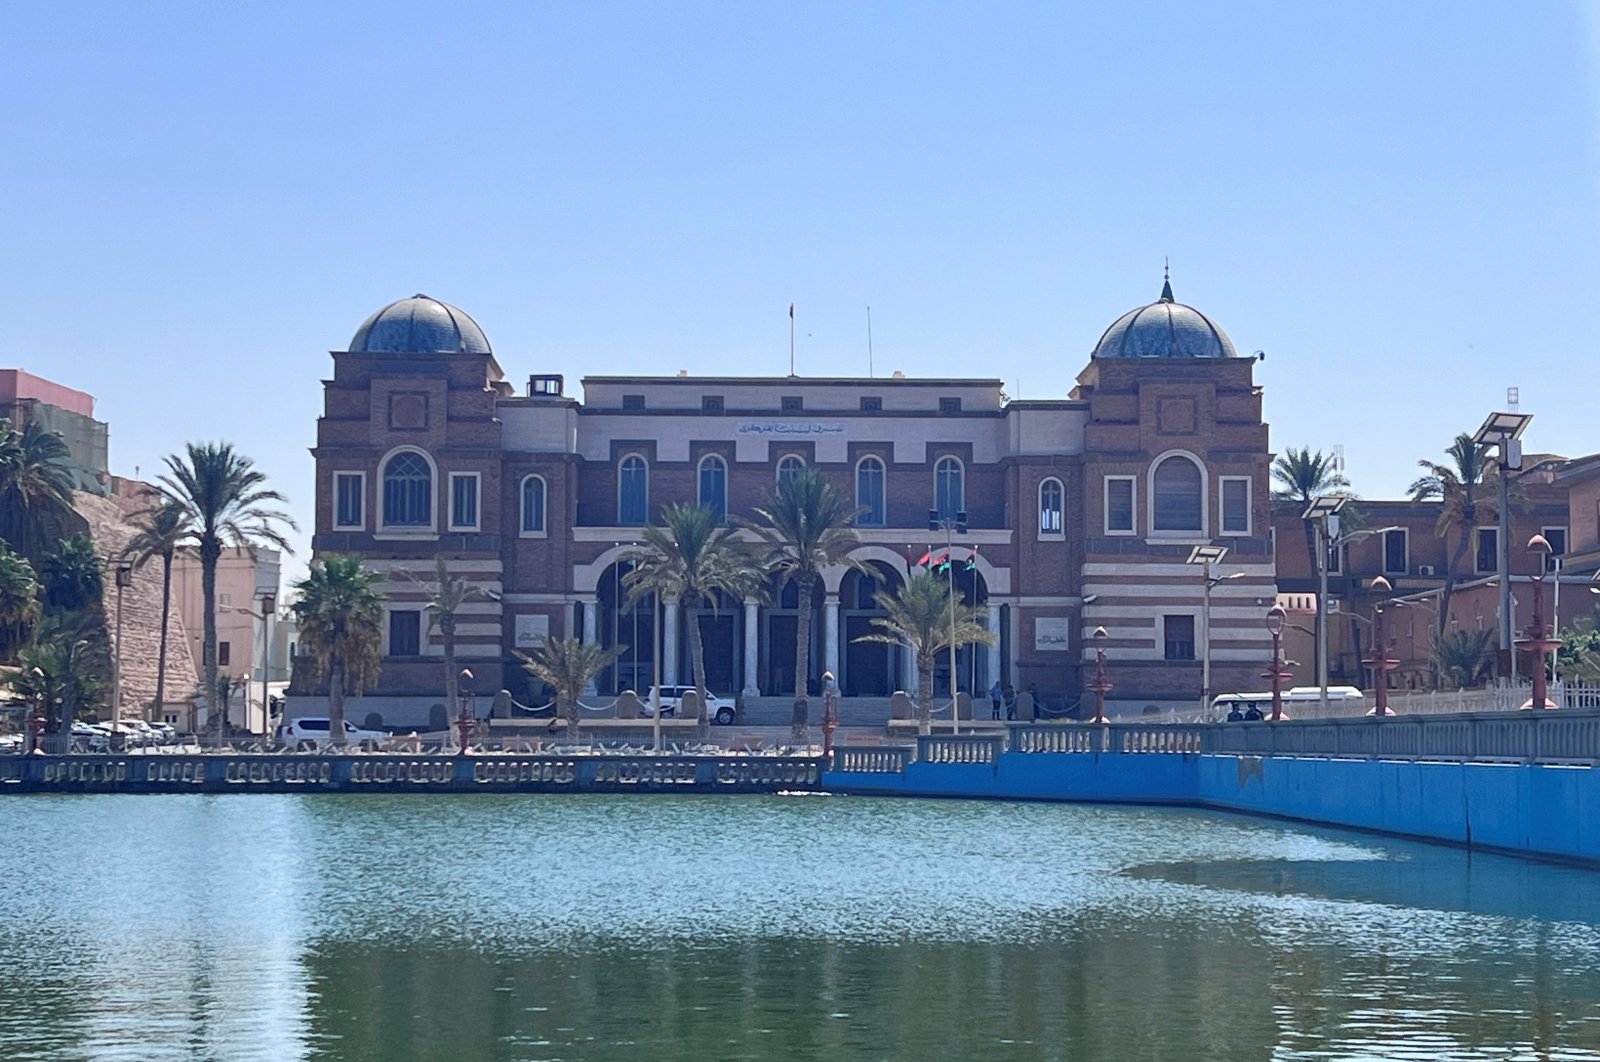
(601, 928)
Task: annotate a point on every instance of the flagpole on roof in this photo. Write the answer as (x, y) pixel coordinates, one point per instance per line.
(791, 339)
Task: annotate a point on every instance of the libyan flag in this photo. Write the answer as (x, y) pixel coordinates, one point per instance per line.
(936, 562)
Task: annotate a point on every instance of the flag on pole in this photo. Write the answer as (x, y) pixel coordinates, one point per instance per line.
(791, 311)
(972, 561)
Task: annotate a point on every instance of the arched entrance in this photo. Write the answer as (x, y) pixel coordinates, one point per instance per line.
(628, 625)
(722, 639)
(780, 626)
(870, 669)
(972, 660)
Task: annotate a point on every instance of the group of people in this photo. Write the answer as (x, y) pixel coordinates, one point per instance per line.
(1005, 698)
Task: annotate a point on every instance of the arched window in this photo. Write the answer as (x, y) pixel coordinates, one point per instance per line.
(533, 496)
(790, 467)
(1177, 496)
(949, 492)
(408, 490)
(633, 491)
(869, 492)
(1050, 516)
(714, 485)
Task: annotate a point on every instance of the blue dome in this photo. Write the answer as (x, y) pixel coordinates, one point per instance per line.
(420, 325)
(1164, 329)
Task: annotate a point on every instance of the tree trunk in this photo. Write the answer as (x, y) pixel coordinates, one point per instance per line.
(569, 710)
(799, 721)
(161, 651)
(447, 631)
(925, 693)
(697, 662)
(336, 702)
(210, 552)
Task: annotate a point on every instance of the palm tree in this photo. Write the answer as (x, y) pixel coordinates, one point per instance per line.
(61, 673)
(445, 596)
(19, 601)
(919, 615)
(35, 486)
(1462, 657)
(73, 575)
(340, 613)
(691, 556)
(1465, 485)
(806, 527)
(1302, 476)
(568, 665)
(224, 504)
(159, 531)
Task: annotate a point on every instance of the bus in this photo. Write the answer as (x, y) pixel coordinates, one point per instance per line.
(1305, 701)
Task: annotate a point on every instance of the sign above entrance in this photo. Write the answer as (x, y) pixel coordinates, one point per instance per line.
(790, 427)
(532, 630)
(1052, 634)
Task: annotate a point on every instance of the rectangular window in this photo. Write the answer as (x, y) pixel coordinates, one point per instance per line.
(224, 654)
(791, 404)
(633, 401)
(1178, 635)
(871, 404)
(1119, 505)
(711, 403)
(349, 497)
(1235, 505)
(1557, 537)
(1396, 552)
(405, 633)
(1486, 559)
(463, 501)
(949, 405)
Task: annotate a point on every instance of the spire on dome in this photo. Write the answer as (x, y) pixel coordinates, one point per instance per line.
(1166, 281)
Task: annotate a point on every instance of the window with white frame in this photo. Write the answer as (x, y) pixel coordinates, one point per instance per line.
(714, 485)
(533, 505)
(463, 501)
(869, 493)
(1051, 502)
(1396, 551)
(949, 488)
(1120, 512)
(1557, 537)
(633, 490)
(1177, 637)
(349, 501)
(1177, 496)
(789, 467)
(405, 633)
(407, 490)
(1486, 551)
(1235, 507)
(1336, 558)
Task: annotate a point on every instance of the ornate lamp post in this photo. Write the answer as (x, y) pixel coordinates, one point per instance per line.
(124, 581)
(1208, 555)
(1101, 685)
(466, 719)
(1538, 641)
(1275, 619)
(1380, 661)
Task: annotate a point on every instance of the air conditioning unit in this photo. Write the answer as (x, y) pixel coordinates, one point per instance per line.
(1426, 570)
(1333, 604)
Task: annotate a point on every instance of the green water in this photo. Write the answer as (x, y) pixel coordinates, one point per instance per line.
(477, 928)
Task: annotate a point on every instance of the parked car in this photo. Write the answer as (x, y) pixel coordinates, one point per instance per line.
(718, 709)
(91, 736)
(313, 731)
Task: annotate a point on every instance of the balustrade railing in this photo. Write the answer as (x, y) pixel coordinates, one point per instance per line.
(935, 748)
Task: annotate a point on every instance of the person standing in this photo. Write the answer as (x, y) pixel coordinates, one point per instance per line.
(996, 697)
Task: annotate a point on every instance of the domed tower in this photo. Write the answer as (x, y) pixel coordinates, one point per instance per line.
(1175, 458)
(408, 469)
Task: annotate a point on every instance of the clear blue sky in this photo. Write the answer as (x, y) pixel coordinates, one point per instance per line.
(1397, 202)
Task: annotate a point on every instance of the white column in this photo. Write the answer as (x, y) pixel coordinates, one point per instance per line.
(752, 646)
(669, 639)
(830, 634)
(591, 609)
(909, 665)
(571, 630)
(994, 650)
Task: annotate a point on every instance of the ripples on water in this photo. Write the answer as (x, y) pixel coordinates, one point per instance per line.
(493, 927)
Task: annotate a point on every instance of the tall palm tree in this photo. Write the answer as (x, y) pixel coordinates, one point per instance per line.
(224, 504)
(446, 595)
(73, 575)
(568, 665)
(1302, 475)
(340, 613)
(61, 673)
(159, 531)
(691, 556)
(1465, 484)
(19, 601)
(35, 486)
(807, 526)
(918, 613)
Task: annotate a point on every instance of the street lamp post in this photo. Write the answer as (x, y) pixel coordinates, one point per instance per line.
(466, 719)
(1503, 431)
(1275, 618)
(1538, 642)
(951, 526)
(124, 580)
(1380, 662)
(1207, 556)
(1323, 512)
(1101, 684)
(269, 603)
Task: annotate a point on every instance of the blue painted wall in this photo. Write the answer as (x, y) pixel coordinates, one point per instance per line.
(1535, 809)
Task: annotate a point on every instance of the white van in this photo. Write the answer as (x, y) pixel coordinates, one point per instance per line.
(1304, 701)
(718, 710)
(313, 732)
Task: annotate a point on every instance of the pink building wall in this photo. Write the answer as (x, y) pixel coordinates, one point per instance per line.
(19, 383)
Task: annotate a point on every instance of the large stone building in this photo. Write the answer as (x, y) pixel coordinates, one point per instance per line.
(1080, 512)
